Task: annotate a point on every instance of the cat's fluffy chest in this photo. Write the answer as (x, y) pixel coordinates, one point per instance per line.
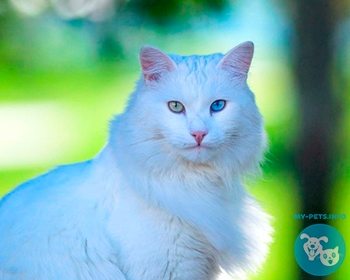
(157, 237)
(181, 220)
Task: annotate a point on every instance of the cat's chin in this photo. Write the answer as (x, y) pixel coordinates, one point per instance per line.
(197, 154)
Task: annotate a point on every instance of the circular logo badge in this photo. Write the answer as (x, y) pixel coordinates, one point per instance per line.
(319, 249)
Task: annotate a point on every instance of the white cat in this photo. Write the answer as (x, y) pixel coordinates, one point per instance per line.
(164, 199)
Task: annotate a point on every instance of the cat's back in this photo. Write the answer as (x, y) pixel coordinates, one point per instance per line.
(48, 191)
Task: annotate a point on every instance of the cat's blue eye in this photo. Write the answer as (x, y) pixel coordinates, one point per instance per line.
(217, 105)
(325, 256)
(176, 106)
(333, 255)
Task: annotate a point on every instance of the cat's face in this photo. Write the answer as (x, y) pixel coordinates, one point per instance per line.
(330, 257)
(199, 107)
(202, 120)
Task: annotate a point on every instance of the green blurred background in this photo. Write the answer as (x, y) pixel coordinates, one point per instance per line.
(66, 66)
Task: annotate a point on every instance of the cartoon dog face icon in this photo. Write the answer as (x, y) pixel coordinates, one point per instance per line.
(312, 246)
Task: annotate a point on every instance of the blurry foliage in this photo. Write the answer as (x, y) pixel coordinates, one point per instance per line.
(104, 32)
(162, 12)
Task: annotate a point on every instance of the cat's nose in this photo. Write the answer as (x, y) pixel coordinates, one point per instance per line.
(199, 136)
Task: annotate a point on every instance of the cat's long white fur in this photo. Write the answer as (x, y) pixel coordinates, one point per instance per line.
(151, 205)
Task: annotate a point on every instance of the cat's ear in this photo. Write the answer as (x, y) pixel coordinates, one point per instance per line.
(237, 61)
(155, 63)
(336, 249)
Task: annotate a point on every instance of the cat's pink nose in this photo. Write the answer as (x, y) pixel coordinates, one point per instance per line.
(199, 136)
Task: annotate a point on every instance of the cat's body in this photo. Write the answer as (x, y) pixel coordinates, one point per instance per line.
(164, 199)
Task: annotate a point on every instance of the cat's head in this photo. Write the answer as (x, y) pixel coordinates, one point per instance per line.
(197, 108)
(330, 257)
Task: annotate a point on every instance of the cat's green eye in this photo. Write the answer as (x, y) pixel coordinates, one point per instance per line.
(333, 255)
(176, 106)
(217, 105)
(325, 256)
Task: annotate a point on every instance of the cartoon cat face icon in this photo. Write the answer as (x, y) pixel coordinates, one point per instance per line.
(330, 257)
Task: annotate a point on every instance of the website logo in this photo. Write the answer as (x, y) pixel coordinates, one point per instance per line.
(319, 249)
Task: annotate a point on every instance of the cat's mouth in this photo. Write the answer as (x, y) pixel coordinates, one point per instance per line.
(197, 153)
(196, 147)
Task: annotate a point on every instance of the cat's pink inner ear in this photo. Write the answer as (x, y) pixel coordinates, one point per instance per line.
(238, 60)
(154, 63)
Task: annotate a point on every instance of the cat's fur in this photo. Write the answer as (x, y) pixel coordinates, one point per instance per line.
(153, 204)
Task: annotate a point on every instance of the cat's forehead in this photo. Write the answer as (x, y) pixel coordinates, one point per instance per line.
(195, 81)
(196, 62)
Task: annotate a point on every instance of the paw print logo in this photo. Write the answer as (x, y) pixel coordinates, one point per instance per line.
(319, 250)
